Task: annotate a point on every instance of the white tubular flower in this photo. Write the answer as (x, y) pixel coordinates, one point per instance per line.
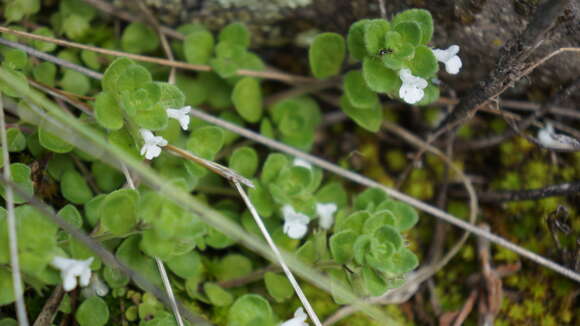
(550, 139)
(299, 319)
(152, 147)
(326, 212)
(303, 163)
(70, 269)
(295, 224)
(181, 115)
(450, 58)
(412, 89)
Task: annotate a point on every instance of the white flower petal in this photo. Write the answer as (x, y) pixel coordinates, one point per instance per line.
(295, 224)
(181, 115)
(550, 139)
(325, 212)
(411, 90)
(450, 58)
(303, 163)
(70, 269)
(152, 146)
(299, 319)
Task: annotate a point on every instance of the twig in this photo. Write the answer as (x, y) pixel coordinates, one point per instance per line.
(273, 75)
(50, 58)
(106, 256)
(160, 267)
(85, 108)
(362, 180)
(164, 43)
(383, 9)
(280, 259)
(509, 68)
(12, 230)
(50, 307)
(562, 189)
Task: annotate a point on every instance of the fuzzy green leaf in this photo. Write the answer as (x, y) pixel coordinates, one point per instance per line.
(389, 234)
(41, 45)
(74, 187)
(16, 140)
(187, 265)
(410, 32)
(424, 63)
(115, 70)
(341, 246)
(357, 91)
(374, 35)
(406, 215)
(373, 282)
(217, 295)
(92, 312)
(278, 286)
(236, 33)
(118, 211)
(107, 111)
(52, 142)
(20, 175)
(326, 55)
(370, 119)
(75, 82)
(45, 73)
(198, 46)
(421, 17)
(370, 199)
(356, 39)
(244, 160)
(402, 261)
(106, 177)
(247, 99)
(139, 38)
(250, 310)
(134, 77)
(380, 78)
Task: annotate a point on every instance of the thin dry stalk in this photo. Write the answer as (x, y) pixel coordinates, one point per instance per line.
(12, 233)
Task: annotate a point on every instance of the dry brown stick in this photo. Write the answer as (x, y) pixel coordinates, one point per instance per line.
(268, 74)
(509, 64)
(50, 307)
(164, 43)
(562, 189)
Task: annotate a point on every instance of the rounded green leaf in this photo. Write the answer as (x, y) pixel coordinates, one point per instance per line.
(130, 254)
(206, 141)
(217, 295)
(356, 39)
(421, 17)
(45, 73)
(379, 78)
(198, 46)
(326, 55)
(75, 27)
(14, 59)
(406, 215)
(115, 70)
(7, 294)
(389, 234)
(236, 33)
(244, 160)
(114, 277)
(74, 187)
(247, 99)
(370, 199)
(353, 222)
(231, 267)
(250, 310)
(52, 142)
(261, 198)
(275, 162)
(341, 246)
(20, 175)
(75, 82)
(195, 91)
(16, 140)
(153, 118)
(187, 265)
(373, 282)
(278, 286)
(139, 38)
(92, 209)
(431, 95)
(410, 32)
(92, 312)
(107, 111)
(72, 215)
(134, 77)
(374, 34)
(118, 211)
(358, 92)
(383, 217)
(106, 177)
(294, 180)
(370, 119)
(424, 63)
(403, 261)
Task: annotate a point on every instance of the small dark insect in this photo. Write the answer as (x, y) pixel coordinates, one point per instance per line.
(382, 52)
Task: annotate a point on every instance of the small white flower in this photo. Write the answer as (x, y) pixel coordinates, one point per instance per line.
(550, 139)
(325, 211)
(450, 58)
(181, 115)
(70, 269)
(96, 287)
(303, 163)
(412, 89)
(295, 224)
(299, 319)
(152, 147)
